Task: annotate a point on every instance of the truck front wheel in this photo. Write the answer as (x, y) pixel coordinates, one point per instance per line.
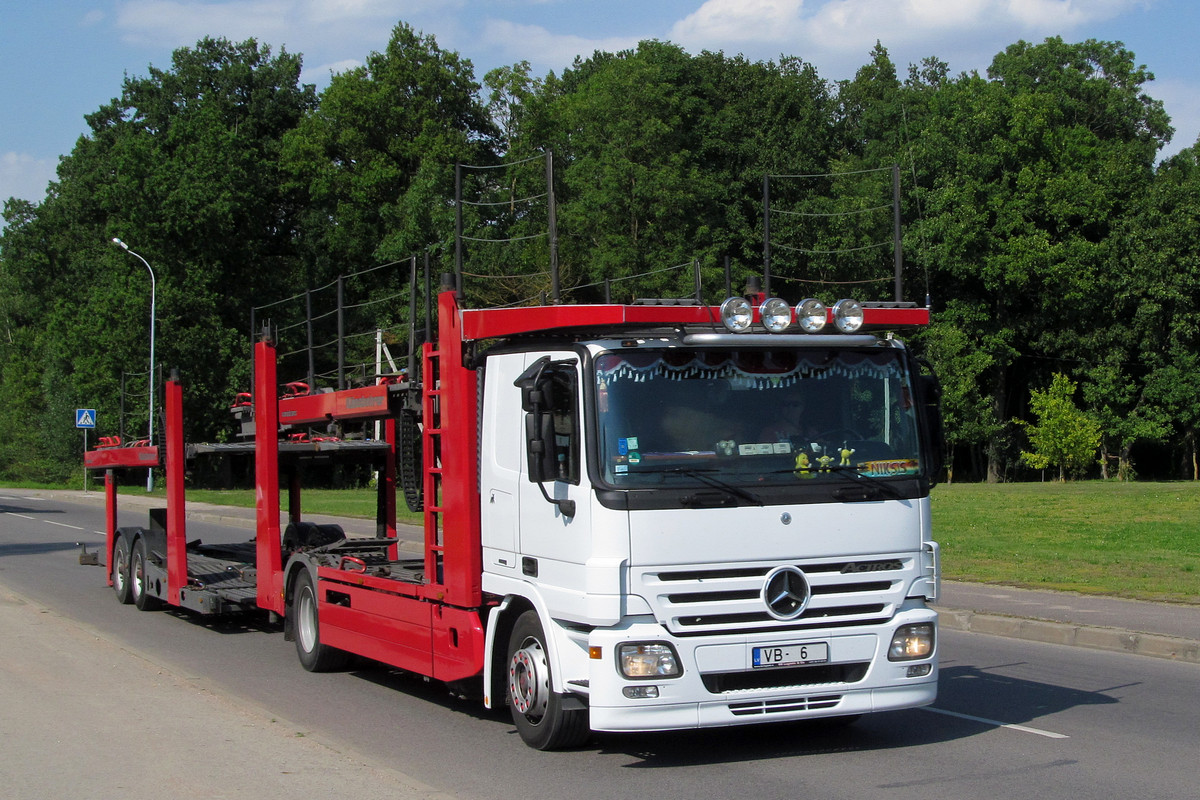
(538, 711)
(314, 656)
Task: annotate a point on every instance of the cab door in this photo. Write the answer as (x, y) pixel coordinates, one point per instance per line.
(554, 513)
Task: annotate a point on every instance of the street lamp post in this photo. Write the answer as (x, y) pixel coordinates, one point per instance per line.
(150, 375)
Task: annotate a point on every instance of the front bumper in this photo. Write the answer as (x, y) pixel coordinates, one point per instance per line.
(720, 687)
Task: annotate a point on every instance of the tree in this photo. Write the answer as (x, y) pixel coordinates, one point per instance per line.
(662, 161)
(184, 166)
(1157, 299)
(374, 163)
(1026, 176)
(960, 362)
(1063, 436)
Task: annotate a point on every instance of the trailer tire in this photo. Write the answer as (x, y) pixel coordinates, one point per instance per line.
(539, 713)
(138, 587)
(314, 656)
(120, 571)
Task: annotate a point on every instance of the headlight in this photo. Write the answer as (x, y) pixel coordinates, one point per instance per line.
(911, 642)
(776, 314)
(847, 315)
(648, 660)
(810, 315)
(736, 314)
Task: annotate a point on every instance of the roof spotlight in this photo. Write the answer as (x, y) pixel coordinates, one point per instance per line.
(737, 314)
(810, 315)
(848, 315)
(776, 314)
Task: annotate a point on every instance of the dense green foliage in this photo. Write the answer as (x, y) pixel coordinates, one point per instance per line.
(1036, 218)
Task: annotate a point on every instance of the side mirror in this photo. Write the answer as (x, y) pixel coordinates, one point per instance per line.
(541, 396)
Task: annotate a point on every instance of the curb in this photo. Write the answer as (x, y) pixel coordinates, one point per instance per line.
(1047, 632)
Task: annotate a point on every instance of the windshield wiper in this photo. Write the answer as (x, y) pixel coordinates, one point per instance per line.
(716, 483)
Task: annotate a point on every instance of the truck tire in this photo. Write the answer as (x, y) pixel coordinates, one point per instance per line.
(538, 712)
(138, 585)
(314, 656)
(120, 571)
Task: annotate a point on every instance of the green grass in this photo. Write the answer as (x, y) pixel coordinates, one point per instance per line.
(1137, 540)
(335, 502)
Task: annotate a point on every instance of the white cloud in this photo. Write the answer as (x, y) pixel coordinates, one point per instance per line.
(332, 35)
(183, 22)
(741, 21)
(26, 177)
(518, 42)
(308, 26)
(1066, 13)
(320, 73)
(837, 34)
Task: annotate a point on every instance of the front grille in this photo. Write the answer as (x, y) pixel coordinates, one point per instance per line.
(722, 682)
(766, 707)
(713, 600)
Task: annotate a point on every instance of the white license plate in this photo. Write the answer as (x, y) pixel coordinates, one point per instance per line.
(791, 655)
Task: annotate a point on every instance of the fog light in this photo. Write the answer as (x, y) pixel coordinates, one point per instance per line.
(737, 314)
(648, 660)
(640, 692)
(810, 315)
(918, 670)
(847, 315)
(776, 314)
(911, 642)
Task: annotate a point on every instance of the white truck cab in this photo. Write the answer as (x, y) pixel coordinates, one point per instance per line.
(708, 529)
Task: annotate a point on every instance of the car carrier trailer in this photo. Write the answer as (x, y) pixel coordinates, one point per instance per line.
(612, 539)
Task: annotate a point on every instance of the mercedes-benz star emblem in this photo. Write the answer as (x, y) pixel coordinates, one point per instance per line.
(786, 593)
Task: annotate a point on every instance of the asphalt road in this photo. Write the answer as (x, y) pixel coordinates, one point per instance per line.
(1014, 719)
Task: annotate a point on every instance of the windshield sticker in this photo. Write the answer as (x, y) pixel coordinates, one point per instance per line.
(898, 466)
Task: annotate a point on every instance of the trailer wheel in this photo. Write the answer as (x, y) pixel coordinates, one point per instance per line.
(314, 656)
(138, 587)
(120, 571)
(537, 711)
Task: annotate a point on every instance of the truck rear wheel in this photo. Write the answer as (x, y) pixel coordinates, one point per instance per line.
(537, 711)
(314, 656)
(139, 587)
(120, 571)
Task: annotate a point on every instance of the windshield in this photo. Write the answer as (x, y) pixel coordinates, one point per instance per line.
(754, 418)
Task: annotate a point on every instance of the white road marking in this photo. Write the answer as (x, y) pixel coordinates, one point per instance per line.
(1010, 726)
(62, 525)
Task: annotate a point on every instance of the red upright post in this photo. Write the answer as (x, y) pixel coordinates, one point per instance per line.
(266, 479)
(110, 519)
(176, 509)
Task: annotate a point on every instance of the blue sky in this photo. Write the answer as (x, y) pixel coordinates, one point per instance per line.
(62, 59)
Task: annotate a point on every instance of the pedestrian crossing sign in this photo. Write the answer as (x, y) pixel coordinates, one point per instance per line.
(85, 418)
